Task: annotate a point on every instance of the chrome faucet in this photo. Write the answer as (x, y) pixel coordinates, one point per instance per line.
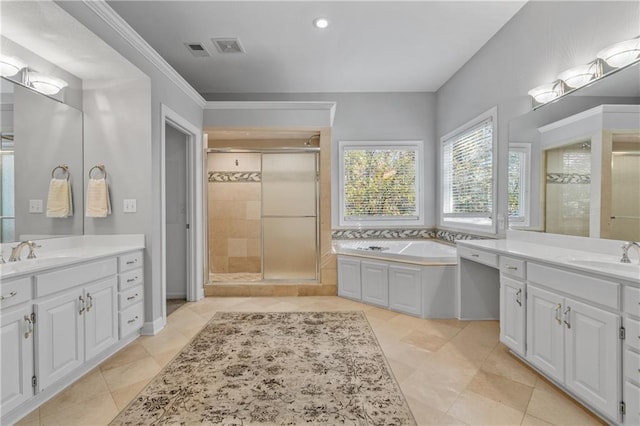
(17, 250)
(625, 251)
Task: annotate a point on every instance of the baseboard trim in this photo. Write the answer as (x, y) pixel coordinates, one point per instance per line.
(151, 328)
(177, 295)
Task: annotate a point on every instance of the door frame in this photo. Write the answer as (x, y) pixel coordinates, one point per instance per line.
(195, 285)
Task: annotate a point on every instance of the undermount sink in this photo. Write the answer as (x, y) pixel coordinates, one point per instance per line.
(612, 266)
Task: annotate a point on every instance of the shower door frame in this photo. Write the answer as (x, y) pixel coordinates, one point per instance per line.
(283, 150)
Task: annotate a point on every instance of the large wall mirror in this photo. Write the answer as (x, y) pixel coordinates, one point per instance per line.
(574, 165)
(41, 140)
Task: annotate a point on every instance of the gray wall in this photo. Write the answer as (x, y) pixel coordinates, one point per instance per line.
(543, 39)
(369, 116)
(163, 91)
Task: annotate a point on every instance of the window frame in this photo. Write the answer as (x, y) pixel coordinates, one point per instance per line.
(525, 190)
(373, 221)
(491, 228)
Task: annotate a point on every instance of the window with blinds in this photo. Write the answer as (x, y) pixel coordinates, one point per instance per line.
(380, 182)
(518, 183)
(468, 176)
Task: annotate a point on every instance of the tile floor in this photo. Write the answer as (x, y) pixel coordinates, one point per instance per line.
(451, 372)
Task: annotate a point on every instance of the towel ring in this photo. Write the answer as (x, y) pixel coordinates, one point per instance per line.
(65, 169)
(99, 167)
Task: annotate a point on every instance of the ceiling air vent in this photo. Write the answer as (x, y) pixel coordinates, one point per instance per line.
(228, 45)
(197, 49)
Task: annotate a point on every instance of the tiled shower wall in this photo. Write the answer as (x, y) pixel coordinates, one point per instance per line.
(234, 214)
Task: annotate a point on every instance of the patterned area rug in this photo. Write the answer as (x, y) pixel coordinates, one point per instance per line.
(284, 368)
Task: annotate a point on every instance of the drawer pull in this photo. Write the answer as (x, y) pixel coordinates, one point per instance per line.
(132, 297)
(9, 296)
(131, 262)
(475, 255)
(132, 320)
(512, 268)
(130, 280)
(558, 307)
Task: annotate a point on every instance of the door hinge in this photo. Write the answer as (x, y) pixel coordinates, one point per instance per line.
(188, 227)
(34, 381)
(623, 408)
(33, 317)
(622, 334)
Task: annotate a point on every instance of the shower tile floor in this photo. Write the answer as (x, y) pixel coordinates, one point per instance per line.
(237, 277)
(450, 371)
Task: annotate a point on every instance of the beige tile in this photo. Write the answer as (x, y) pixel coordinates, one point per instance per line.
(502, 363)
(163, 358)
(87, 387)
(31, 419)
(502, 390)
(99, 410)
(424, 341)
(401, 371)
(237, 247)
(254, 229)
(529, 420)
(554, 406)
(166, 339)
(475, 409)
(450, 420)
(424, 414)
(128, 374)
(132, 352)
(254, 247)
(253, 210)
(122, 397)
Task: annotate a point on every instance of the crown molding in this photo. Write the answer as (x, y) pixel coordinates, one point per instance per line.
(275, 105)
(117, 23)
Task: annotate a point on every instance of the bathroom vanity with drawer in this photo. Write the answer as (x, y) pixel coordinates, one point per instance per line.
(571, 314)
(64, 313)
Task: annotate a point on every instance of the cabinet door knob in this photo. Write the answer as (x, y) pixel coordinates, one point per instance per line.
(9, 296)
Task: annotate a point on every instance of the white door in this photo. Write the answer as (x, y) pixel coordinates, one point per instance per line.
(405, 289)
(16, 349)
(512, 314)
(545, 331)
(593, 356)
(100, 322)
(375, 283)
(349, 278)
(59, 336)
(176, 212)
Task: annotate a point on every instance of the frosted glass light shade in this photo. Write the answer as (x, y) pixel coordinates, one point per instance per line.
(10, 66)
(45, 84)
(580, 75)
(546, 92)
(621, 54)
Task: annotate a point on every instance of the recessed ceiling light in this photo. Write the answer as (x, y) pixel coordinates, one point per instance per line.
(321, 23)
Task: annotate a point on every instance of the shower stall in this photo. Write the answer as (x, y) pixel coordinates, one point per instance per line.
(263, 221)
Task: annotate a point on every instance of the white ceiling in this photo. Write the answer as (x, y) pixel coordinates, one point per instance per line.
(370, 46)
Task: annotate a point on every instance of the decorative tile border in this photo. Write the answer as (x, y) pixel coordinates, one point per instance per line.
(568, 178)
(399, 234)
(235, 177)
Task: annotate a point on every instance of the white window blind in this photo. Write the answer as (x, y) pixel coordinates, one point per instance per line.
(380, 183)
(517, 185)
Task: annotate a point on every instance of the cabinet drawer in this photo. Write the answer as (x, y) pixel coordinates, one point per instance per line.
(632, 365)
(582, 286)
(130, 279)
(632, 401)
(129, 261)
(63, 279)
(513, 267)
(129, 297)
(15, 292)
(131, 319)
(478, 256)
(632, 300)
(632, 327)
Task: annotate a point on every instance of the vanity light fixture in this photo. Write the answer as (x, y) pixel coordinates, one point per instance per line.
(44, 84)
(10, 65)
(621, 54)
(582, 74)
(608, 61)
(321, 23)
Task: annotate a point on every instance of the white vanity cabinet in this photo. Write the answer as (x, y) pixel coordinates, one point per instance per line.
(16, 353)
(631, 357)
(375, 282)
(406, 289)
(349, 278)
(512, 314)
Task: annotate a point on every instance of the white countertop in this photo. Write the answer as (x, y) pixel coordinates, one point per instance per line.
(62, 252)
(580, 260)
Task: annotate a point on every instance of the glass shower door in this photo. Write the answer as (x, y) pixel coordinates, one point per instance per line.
(289, 216)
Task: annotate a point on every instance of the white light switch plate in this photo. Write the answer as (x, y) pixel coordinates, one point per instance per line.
(129, 205)
(35, 206)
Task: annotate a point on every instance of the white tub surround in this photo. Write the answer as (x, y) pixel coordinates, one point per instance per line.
(63, 313)
(565, 305)
(413, 277)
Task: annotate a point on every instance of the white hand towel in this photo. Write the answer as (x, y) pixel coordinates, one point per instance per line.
(98, 203)
(59, 202)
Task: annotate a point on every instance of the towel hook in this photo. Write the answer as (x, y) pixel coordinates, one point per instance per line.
(65, 170)
(99, 167)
